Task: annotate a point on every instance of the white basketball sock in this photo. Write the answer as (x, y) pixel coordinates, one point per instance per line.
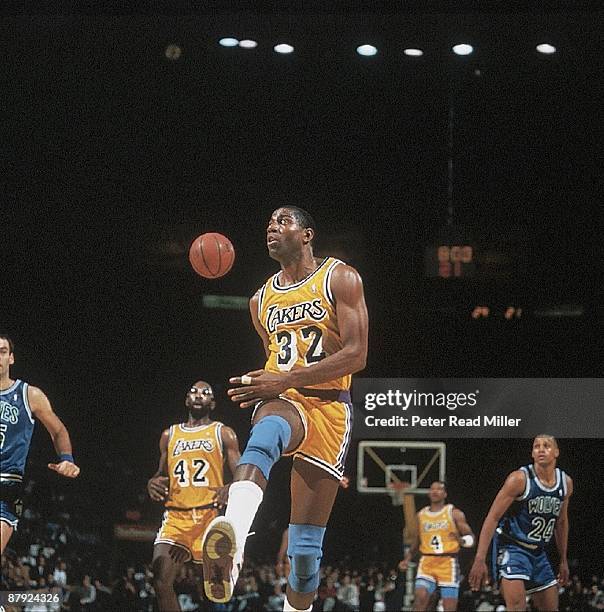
(244, 498)
(287, 607)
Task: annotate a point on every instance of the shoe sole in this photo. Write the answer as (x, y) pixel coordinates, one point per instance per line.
(218, 556)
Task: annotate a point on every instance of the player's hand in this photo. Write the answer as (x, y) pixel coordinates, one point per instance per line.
(403, 566)
(65, 468)
(345, 482)
(478, 574)
(265, 385)
(158, 488)
(563, 573)
(222, 495)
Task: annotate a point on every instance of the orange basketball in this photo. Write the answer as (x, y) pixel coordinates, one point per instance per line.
(211, 255)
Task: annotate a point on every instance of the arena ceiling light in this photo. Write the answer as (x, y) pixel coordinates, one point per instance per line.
(546, 48)
(228, 42)
(283, 48)
(367, 50)
(413, 52)
(462, 49)
(248, 44)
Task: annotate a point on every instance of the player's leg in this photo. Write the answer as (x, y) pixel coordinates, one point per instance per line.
(313, 492)
(167, 561)
(449, 596)
(546, 599)
(543, 587)
(277, 428)
(424, 589)
(514, 594)
(6, 531)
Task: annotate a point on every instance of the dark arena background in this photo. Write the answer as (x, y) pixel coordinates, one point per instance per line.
(125, 136)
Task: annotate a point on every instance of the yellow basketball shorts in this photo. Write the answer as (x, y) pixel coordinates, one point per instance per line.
(442, 569)
(185, 529)
(327, 431)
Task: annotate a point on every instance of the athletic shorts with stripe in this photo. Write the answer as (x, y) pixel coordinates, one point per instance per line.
(440, 569)
(185, 529)
(327, 430)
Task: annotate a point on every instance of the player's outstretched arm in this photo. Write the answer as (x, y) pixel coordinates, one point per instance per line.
(42, 410)
(561, 534)
(351, 310)
(158, 484)
(231, 447)
(511, 489)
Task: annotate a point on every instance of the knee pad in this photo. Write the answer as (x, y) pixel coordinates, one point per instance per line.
(305, 551)
(268, 439)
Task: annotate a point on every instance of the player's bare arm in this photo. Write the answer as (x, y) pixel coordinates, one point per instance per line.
(230, 445)
(254, 302)
(561, 535)
(511, 489)
(42, 410)
(351, 310)
(463, 528)
(158, 484)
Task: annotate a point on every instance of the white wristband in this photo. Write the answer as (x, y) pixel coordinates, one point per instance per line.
(467, 541)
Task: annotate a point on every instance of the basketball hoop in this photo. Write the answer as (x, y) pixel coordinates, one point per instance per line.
(398, 490)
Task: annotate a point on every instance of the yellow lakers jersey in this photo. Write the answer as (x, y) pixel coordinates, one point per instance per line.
(435, 529)
(195, 463)
(301, 322)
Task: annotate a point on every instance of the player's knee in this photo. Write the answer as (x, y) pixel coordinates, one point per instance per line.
(269, 438)
(305, 552)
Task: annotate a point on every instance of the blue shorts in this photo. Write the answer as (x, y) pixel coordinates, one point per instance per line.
(10, 512)
(517, 563)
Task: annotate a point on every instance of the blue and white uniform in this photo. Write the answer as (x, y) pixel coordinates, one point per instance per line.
(526, 529)
(16, 429)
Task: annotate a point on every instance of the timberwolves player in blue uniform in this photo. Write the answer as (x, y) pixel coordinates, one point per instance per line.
(19, 405)
(530, 508)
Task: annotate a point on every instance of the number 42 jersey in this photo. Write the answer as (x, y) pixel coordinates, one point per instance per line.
(301, 322)
(195, 463)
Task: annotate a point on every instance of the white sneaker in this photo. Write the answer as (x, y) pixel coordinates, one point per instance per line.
(221, 560)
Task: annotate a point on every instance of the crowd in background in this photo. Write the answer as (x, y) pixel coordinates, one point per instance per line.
(55, 551)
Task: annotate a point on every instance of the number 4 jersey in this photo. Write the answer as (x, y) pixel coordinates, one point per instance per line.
(437, 531)
(195, 463)
(301, 322)
(532, 518)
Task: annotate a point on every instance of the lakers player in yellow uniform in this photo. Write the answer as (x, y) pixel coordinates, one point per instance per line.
(442, 530)
(190, 482)
(312, 319)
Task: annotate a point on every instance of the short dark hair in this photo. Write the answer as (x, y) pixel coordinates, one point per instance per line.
(303, 217)
(443, 483)
(11, 344)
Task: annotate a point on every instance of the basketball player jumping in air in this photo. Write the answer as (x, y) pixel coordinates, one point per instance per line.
(312, 319)
(190, 480)
(442, 529)
(20, 404)
(531, 506)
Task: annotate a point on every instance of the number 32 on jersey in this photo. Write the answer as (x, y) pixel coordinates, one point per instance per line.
(311, 349)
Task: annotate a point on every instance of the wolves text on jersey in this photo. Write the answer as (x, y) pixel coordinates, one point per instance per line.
(186, 446)
(292, 314)
(544, 504)
(9, 413)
